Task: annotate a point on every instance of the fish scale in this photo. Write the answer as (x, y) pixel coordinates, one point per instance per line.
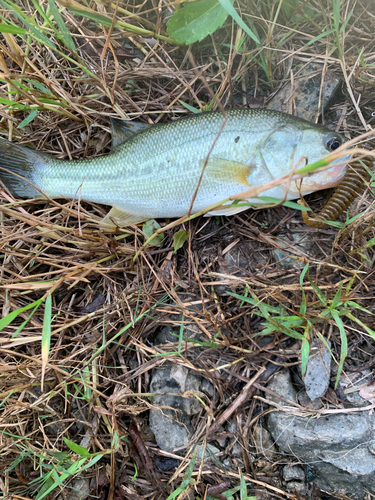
(153, 172)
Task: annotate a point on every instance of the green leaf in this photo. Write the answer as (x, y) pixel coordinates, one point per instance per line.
(61, 24)
(290, 204)
(289, 8)
(228, 6)
(187, 480)
(344, 344)
(29, 118)
(336, 13)
(115, 444)
(179, 239)
(190, 108)
(90, 14)
(12, 103)
(76, 448)
(28, 23)
(337, 298)
(305, 351)
(7, 28)
(13, 315)
(46, 334)
(149, 229)
(196, 20)
(303, 307)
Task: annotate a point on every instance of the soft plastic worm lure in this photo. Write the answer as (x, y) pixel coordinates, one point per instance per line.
(354, 180)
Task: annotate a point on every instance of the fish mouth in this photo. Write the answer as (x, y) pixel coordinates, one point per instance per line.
(320, 180)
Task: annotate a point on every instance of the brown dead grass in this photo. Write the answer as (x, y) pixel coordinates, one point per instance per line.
(97, 291)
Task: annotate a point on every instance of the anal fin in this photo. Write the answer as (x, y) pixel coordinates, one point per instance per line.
(227, 210)
(120, 218)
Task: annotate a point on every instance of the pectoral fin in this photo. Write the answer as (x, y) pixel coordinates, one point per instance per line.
(228, 171)
(119, 218)
(122, 130)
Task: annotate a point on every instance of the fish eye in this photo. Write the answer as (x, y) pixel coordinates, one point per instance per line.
(333, 142)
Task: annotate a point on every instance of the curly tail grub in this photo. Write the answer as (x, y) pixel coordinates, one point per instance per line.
(352, 183)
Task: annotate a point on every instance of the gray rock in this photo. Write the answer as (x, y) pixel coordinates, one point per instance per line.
(207, 450)
(221, 441)
(80, 489)
(293, 473)
(318, 371)
(207, 387)
(305, 92)
(305, 401)
(297, 487)
(171, 424)
(337, 444)
(167, 335)
(352, 383)
(263, 442)
(234, 263)
(170, 434)
(281, 383)
(235, 447)
(287, 253)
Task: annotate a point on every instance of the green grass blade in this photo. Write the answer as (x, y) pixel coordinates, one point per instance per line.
(66, 36)
(7, 28)
(336, 13)
(29, 118)
(13, 315)
(337, 298)
(303, 307)
(344, 344)
(232, 12)
(305, 351)
(46, 335)
(359, 322)
(28, 23)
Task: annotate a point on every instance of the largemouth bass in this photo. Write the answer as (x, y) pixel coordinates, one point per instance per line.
(153, 171)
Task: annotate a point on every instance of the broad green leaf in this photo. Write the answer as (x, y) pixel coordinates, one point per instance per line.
(196, 20)
(29, 118)
(179, 239)
(149, 228)
(228, 6)
(61, 24)
(76, 448)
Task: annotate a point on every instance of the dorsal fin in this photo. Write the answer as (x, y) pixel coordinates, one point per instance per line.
(122, 130)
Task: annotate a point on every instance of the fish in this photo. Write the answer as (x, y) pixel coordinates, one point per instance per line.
(153, 171)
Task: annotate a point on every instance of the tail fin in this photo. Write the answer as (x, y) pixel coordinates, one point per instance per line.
(18, 165)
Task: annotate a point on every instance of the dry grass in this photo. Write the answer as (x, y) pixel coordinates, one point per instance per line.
(105, 307)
